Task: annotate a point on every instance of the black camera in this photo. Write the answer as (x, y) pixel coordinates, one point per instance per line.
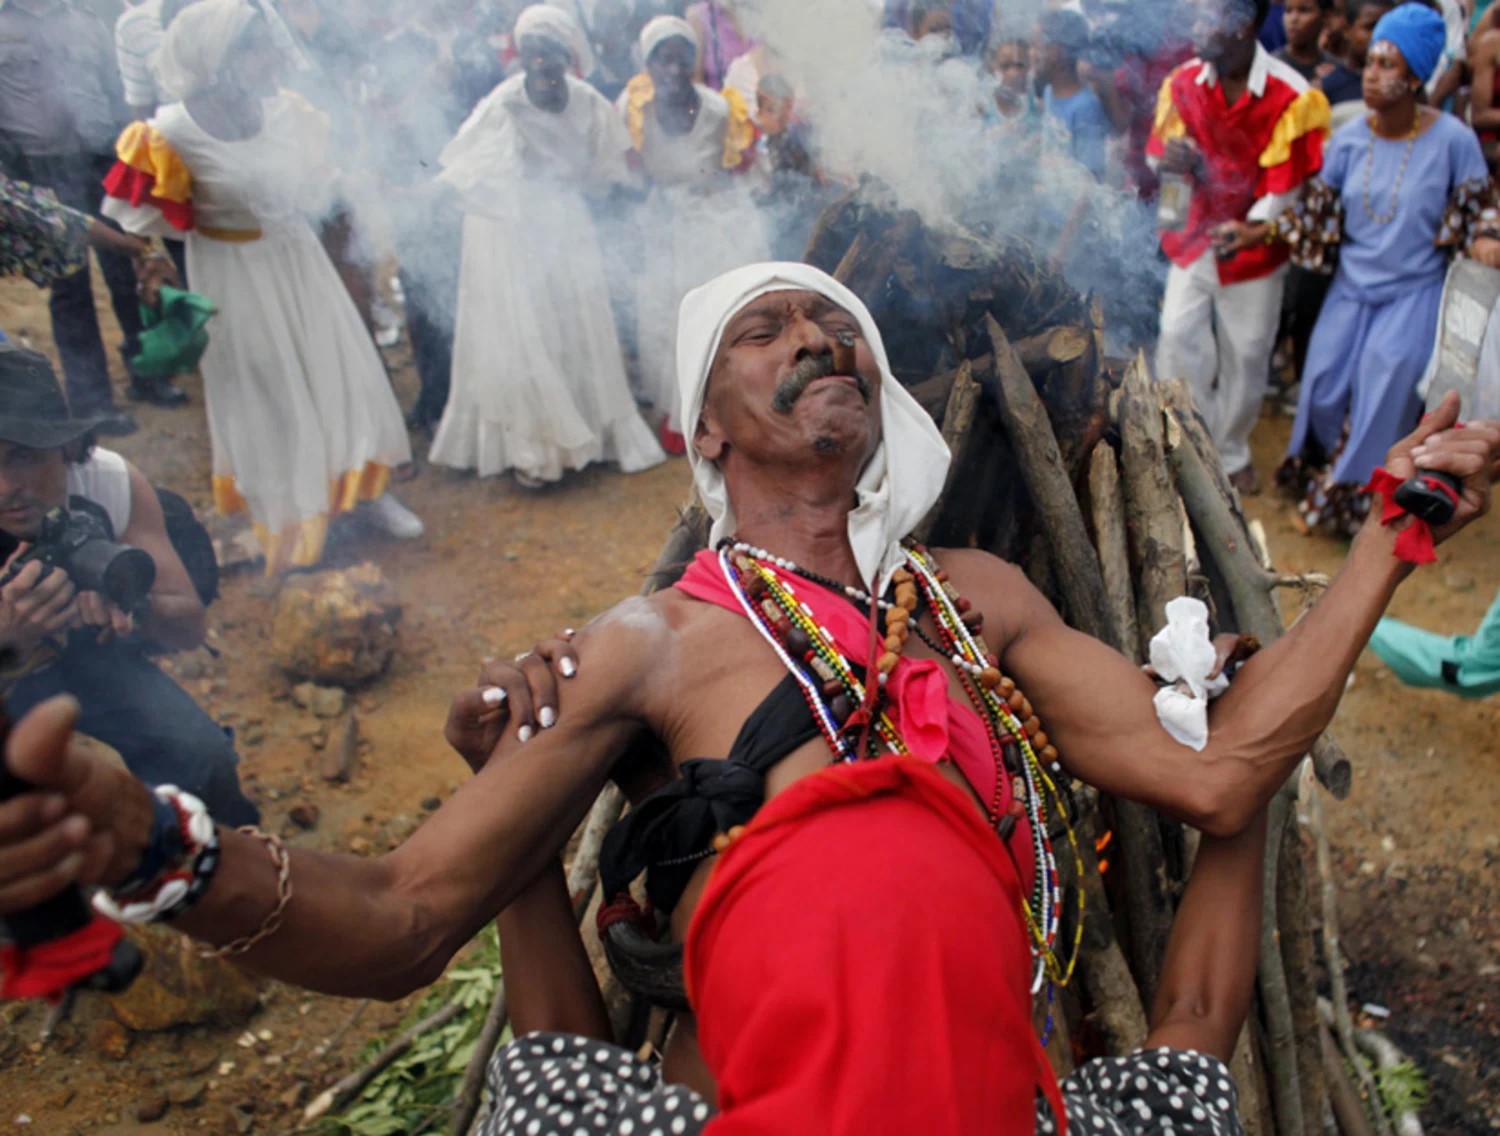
(80, 544)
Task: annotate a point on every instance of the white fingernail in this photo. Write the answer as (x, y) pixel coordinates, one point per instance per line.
(548, 717)
(525, 733)
(493, 696)
(568, 667)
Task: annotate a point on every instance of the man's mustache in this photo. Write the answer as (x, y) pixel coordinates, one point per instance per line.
(804, 374)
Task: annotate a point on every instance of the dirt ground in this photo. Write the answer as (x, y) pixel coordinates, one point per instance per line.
(1416, 848)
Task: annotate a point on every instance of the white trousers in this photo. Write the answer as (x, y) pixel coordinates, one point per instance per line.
(1219, 337)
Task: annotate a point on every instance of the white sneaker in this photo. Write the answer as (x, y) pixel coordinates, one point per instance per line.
(392, 518)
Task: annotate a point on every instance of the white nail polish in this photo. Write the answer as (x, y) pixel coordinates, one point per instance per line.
(525, 733)
(568, 667)
(493, 696)
(548, 717)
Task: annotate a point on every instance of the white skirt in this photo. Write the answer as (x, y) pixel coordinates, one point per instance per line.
(301, 414)
(539, 384)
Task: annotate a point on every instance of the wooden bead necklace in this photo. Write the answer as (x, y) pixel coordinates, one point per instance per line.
(833, 690)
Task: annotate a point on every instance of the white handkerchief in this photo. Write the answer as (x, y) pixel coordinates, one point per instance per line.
(1182, 653)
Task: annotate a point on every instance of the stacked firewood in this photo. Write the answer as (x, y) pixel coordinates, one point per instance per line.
(1103, 485)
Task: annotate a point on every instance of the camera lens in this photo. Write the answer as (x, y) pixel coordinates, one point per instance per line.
(121, 574)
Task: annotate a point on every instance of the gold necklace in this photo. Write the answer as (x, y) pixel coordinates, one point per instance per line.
(1411, 144)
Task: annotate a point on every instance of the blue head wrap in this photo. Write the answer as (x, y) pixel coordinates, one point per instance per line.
(1418, 33)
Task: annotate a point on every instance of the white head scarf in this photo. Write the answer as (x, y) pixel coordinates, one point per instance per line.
(193, 50)
(547, 21)
(903, 479)
(663, 28)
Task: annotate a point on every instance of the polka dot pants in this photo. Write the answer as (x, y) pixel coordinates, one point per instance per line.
(1168, 1091)
(561, 1085)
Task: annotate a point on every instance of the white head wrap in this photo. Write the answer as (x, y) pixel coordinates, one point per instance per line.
(663, 28)
(903, 479)
(550, 22)
(193, 50)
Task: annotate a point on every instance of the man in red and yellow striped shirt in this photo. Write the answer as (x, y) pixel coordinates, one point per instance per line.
(1246, 130)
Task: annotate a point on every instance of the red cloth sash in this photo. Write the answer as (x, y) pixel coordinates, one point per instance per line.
(934, 725)
(859, 963)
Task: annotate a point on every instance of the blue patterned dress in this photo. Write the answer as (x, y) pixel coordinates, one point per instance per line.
(1391, 213)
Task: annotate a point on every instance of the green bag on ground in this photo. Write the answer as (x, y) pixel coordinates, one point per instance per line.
(173, 335)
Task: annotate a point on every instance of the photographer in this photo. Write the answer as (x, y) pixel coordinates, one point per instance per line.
(77, 642)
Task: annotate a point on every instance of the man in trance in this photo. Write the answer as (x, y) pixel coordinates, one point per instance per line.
(812, 635)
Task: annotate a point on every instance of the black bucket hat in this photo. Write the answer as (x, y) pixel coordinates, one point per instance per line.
(33, 411)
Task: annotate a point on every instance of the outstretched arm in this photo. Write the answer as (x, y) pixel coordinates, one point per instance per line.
(1208, 976)
(1097, 706)
(380, 927)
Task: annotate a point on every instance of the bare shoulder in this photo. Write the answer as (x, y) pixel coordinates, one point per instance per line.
(1011, 603)
(637, 645)
(641, 623)
(147, 526)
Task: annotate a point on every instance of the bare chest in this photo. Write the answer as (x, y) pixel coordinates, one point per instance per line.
(722, 674)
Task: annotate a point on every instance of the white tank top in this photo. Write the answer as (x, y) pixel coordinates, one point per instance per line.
(105, 480)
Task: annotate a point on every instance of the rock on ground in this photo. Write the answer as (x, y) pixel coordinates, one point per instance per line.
(336, 628)
(177, 987)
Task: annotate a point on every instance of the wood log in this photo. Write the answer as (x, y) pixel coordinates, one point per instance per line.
(850, 260)
(1107, 500)
(1348, 1112)
(1039, 564)
(1052, 348)
(1152, 508)
(1275, 995)
(933, 393)
(1223, 538)
(1250, 1080)
(1077, 398)
(1332, 767)
(1159, 564)
(583, 868)
(1336, 1009)
(1299, 956)
(1074, 561)
(1112, 991)
(871, 260)
(958, 426)
(1177, 396)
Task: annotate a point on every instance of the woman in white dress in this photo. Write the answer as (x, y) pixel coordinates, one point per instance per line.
(539, 385)
(302, 418)
(699, 220)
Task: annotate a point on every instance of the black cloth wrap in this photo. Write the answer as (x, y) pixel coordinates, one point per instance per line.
(668, 834)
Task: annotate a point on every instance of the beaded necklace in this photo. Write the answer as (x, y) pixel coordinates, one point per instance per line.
(833, 690)
(1411, 145)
